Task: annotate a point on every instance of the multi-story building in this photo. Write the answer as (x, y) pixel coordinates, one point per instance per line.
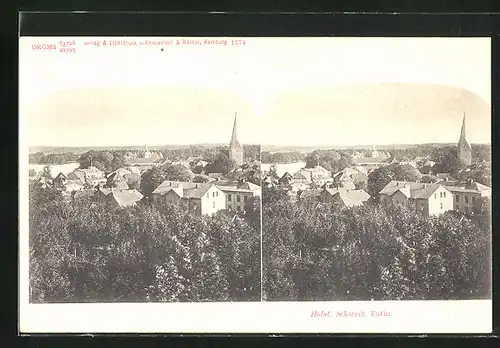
(468, 197)
(198, 198)
(429, 199)
(237, 195)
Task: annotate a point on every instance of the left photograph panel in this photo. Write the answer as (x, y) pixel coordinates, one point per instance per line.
(140, 175)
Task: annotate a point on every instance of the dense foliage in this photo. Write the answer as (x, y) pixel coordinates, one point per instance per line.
(52, 158)
(91, 252)
(317, 252)
(332, 160)
(380, 177)
(153, 177)
(107, 161)
(281, 157)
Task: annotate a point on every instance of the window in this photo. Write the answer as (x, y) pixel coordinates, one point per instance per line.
(245, 199)
(441, 206)
(216, 193)
(214, 204)
(444, 194)
(238, 198)
(238, 208)
(194, 206)
(466, 199)
(229, 197)
(213, 194)
(208, 195)
(435, 195)
(458, 198)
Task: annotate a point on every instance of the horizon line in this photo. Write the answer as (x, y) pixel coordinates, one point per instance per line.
(261, 145)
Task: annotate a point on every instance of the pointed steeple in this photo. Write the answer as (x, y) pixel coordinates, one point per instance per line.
(234, 136)
(462, 132)
(235, 149)
(464, 148)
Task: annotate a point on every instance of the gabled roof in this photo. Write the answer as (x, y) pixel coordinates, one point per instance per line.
(126, 198)
(78, 175)
(60, 176)
(300, 175)
(474, 187)
(249, 186)
(168, 185)
(352, 198)
(198, 192)
(414, 190)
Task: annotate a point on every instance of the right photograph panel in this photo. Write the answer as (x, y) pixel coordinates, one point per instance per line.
(376, 162)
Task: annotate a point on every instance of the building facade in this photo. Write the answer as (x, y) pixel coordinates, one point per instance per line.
(468, 197)
(428, 199)
(237, 196)
(197, 198)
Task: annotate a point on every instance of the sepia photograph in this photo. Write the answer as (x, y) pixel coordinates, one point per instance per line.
(146, 192)
(254, 185)
(379, 186)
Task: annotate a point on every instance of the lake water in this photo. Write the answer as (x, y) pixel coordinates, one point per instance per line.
(282, 168)
(55, 169)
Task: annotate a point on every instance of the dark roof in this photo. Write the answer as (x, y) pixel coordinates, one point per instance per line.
(78, 175)
(415, 190)
(198, 192)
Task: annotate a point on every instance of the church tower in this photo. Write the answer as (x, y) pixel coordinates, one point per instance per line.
(235, 148)
(464, 148)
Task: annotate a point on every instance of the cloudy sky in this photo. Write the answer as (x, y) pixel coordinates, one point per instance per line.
(286, 91)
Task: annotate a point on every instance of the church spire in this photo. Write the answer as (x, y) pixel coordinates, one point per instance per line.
(464, 148)
(234, 136)
(235, 149)
(462, 132)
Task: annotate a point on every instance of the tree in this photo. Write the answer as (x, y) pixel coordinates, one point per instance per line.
(153, 177)
(220, 164)
(200, 179)
(380, 177)
(447, 160)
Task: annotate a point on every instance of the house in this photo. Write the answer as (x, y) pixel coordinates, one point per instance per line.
(215, 176)
(125, 198)
(344, 197)
(286, 178)
(92, 175)
(198, 198)
(301, 177)
(318, 174)
(370, 164)
(60, 181)
(238, 194)
(468, 196)
(429, 199)
(117, 181)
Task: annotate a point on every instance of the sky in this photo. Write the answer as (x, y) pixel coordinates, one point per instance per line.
(286, 91)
